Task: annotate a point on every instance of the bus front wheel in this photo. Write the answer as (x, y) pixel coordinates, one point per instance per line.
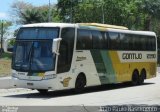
(80, 83)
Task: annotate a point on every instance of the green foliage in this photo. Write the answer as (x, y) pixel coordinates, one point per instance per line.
(134, 14)
(6, 25)
(30, 16)
(118, 12)
(12, 42)
(6, 56)
(27, 13)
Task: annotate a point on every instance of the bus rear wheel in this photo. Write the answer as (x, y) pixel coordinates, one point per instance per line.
(43, 91)
(80, 83)
(135, 78)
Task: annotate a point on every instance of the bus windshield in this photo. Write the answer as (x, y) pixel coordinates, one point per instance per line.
(38, 33)
(33, 49)
(33, 56)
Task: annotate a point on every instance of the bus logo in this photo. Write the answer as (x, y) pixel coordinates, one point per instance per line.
(126, 56)
(80, 58)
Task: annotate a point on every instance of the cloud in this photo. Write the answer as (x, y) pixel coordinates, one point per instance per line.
(3, 15)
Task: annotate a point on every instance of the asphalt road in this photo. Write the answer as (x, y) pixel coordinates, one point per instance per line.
(117, 94)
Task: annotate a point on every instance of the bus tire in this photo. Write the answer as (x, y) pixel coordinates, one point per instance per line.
(43, 91)
(142, 76)
(80, 83)
(135, 78)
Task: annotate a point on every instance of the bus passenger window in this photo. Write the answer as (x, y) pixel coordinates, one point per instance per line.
(123, 42)
(114, 40)
(104, 43)
(84, 40)
(152, 44)
(97, 40)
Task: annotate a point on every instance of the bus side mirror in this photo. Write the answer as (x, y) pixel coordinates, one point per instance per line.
(55, 45)
(9, 45)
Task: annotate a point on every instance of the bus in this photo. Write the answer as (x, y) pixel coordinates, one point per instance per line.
(61, 56)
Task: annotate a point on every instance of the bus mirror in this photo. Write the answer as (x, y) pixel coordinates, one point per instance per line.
(9, 45)
(55, 46)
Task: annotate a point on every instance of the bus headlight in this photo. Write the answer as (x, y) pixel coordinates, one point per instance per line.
(51, 76)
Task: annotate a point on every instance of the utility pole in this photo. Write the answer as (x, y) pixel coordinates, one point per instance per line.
(71, 16)
(102, 13)
(101, 3)
(49, 12)
(1, 36)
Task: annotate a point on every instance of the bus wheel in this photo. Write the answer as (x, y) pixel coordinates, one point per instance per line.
(142, 77)
(135, 78)
(42, 91)
(80, 83)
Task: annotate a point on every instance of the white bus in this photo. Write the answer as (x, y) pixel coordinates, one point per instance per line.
(59, 56)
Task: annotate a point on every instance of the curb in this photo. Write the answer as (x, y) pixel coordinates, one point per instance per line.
(6, 83)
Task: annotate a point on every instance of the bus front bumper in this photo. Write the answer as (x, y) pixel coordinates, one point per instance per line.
(50, 84)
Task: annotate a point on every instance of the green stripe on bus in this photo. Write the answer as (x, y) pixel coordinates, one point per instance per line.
(104, 66)
(110, 75)
(98, 61)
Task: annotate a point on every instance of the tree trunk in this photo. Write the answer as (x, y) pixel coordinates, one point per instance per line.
(147, 24)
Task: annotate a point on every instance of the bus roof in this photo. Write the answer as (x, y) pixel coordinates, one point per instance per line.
(104, 27)
(114, 28)
(98, 25)
(50, 25)
(150, 33)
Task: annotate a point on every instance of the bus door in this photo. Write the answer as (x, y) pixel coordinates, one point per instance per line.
(66, 50)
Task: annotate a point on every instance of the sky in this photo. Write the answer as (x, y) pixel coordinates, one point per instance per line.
(5, 6)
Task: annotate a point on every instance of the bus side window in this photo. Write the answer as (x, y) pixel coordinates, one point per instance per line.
(123, 42)
(114, 40)
(84, 39)
(153, 45)
(97, 40)
(105, 42)
(144, 42)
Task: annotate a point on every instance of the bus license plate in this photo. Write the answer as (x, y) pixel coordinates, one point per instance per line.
(29, 84)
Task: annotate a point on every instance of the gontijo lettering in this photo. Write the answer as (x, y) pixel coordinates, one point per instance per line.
(132, 56)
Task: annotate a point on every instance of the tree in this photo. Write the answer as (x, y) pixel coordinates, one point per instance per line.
(119, 12)
(151, 9)
(17, 8)
(30, 16)
(27, 13)
(65, 9)
(43, 10)
(4, 27)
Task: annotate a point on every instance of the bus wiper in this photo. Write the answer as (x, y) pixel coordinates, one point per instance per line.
(29, 54)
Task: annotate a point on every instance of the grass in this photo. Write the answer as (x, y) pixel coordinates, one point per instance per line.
(5, 64)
